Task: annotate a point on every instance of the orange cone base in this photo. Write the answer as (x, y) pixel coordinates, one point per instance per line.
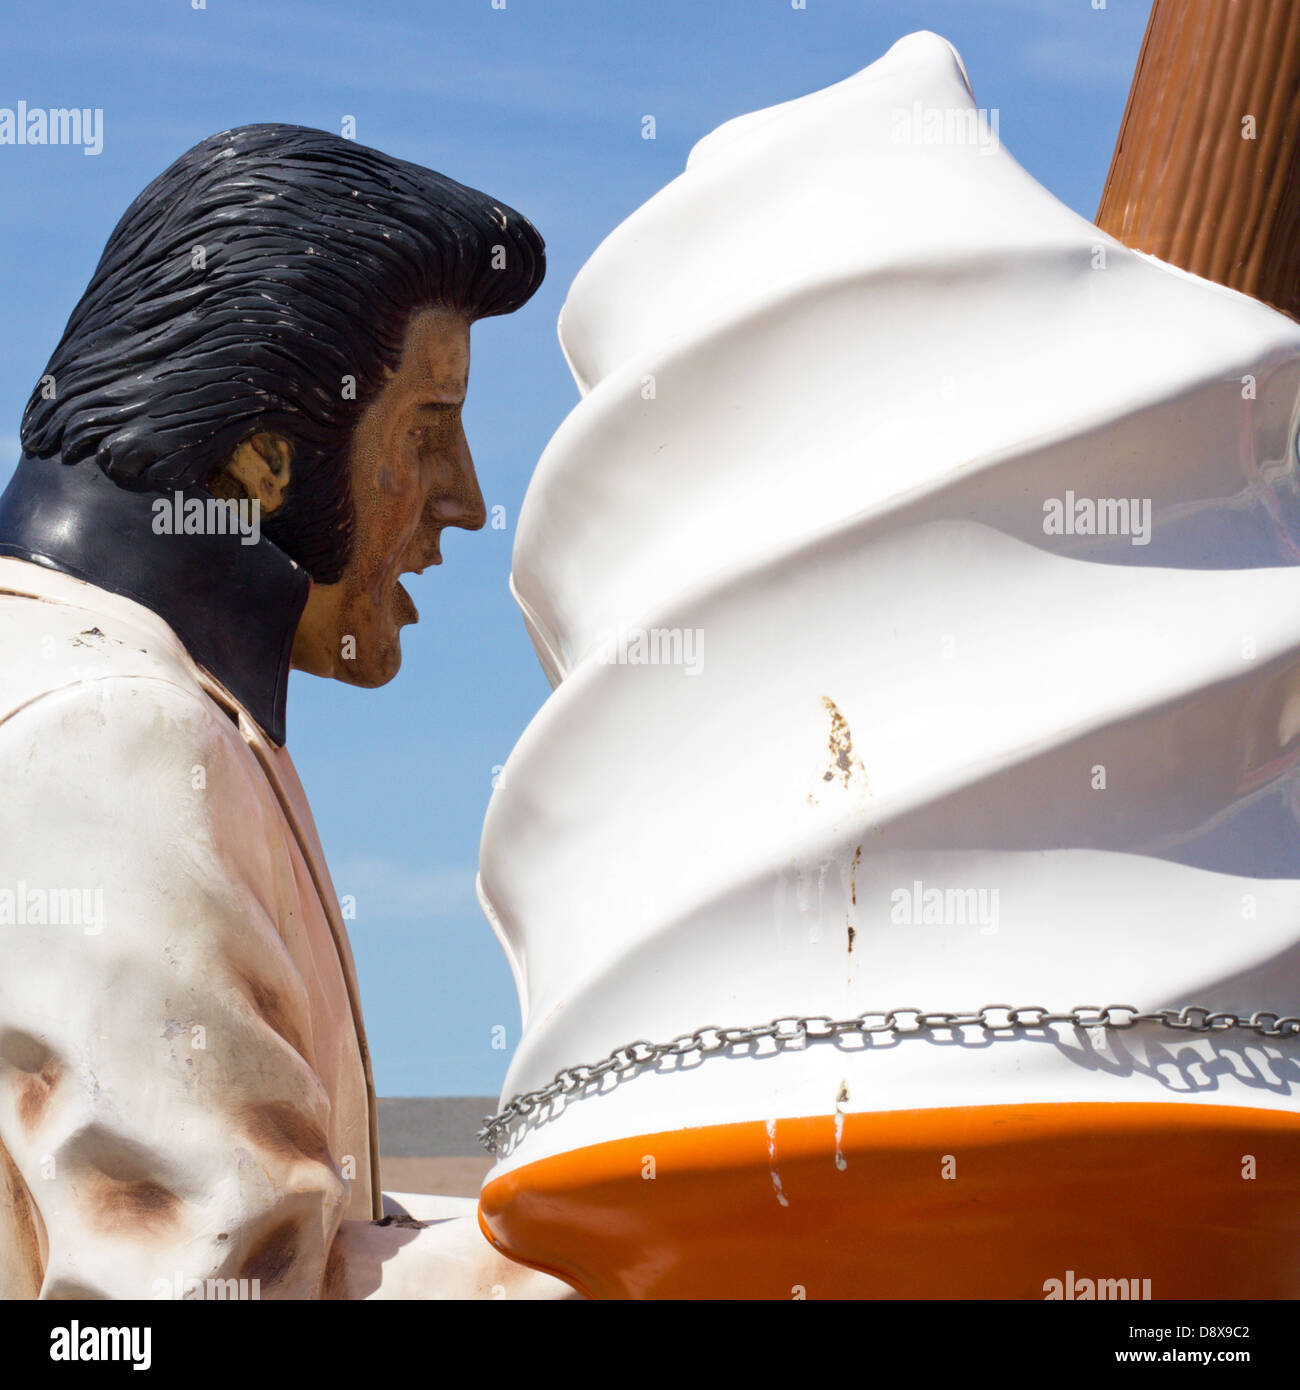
(976, 1202)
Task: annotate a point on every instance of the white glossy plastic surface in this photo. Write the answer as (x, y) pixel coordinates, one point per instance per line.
(836, 380)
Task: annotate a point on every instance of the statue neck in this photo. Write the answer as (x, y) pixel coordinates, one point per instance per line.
(234, 605)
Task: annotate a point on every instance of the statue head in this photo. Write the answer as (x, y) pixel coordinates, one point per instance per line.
(283, 315)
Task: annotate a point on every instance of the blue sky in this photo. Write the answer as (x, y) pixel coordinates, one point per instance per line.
(540, 104)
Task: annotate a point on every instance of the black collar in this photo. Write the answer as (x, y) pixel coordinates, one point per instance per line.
(235, 607)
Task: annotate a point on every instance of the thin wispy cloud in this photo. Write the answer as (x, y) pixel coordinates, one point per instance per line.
(383, 890)
(363, 64)
(1084, 62)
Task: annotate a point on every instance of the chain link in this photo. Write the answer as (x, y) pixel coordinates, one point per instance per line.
(993, 1018)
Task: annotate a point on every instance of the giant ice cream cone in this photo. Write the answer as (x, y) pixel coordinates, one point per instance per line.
(969, 537)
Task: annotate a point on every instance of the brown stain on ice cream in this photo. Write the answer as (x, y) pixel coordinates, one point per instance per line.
(843, 764)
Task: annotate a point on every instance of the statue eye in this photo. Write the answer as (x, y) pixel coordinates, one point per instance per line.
(423, 436)
(436, 419)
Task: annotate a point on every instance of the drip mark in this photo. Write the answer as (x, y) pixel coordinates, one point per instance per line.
(771, 1161)
(840, 1161)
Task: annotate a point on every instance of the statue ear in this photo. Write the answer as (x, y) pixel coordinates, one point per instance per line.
(260, 468)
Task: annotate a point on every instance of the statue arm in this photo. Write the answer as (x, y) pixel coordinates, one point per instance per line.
(160, 1068)
(158, 1095)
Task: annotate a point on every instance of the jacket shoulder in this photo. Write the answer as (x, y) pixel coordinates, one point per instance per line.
(48, 646)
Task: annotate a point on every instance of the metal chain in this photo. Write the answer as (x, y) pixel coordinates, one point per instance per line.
(792, 1029)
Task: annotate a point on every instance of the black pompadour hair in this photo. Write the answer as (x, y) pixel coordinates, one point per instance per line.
(315, 252)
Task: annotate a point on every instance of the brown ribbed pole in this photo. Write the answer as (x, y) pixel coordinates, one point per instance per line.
(1186, 183)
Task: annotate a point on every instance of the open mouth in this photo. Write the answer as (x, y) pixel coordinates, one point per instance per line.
(434, 558)
(406, 611)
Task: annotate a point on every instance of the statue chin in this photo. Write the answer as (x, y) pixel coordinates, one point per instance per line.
(370, 679)
(357, 645)
(378, 669)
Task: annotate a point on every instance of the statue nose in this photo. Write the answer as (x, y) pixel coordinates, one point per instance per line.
(467, 513)
(462, 504)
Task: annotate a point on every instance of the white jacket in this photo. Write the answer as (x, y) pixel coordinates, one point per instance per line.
(185, 1090)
